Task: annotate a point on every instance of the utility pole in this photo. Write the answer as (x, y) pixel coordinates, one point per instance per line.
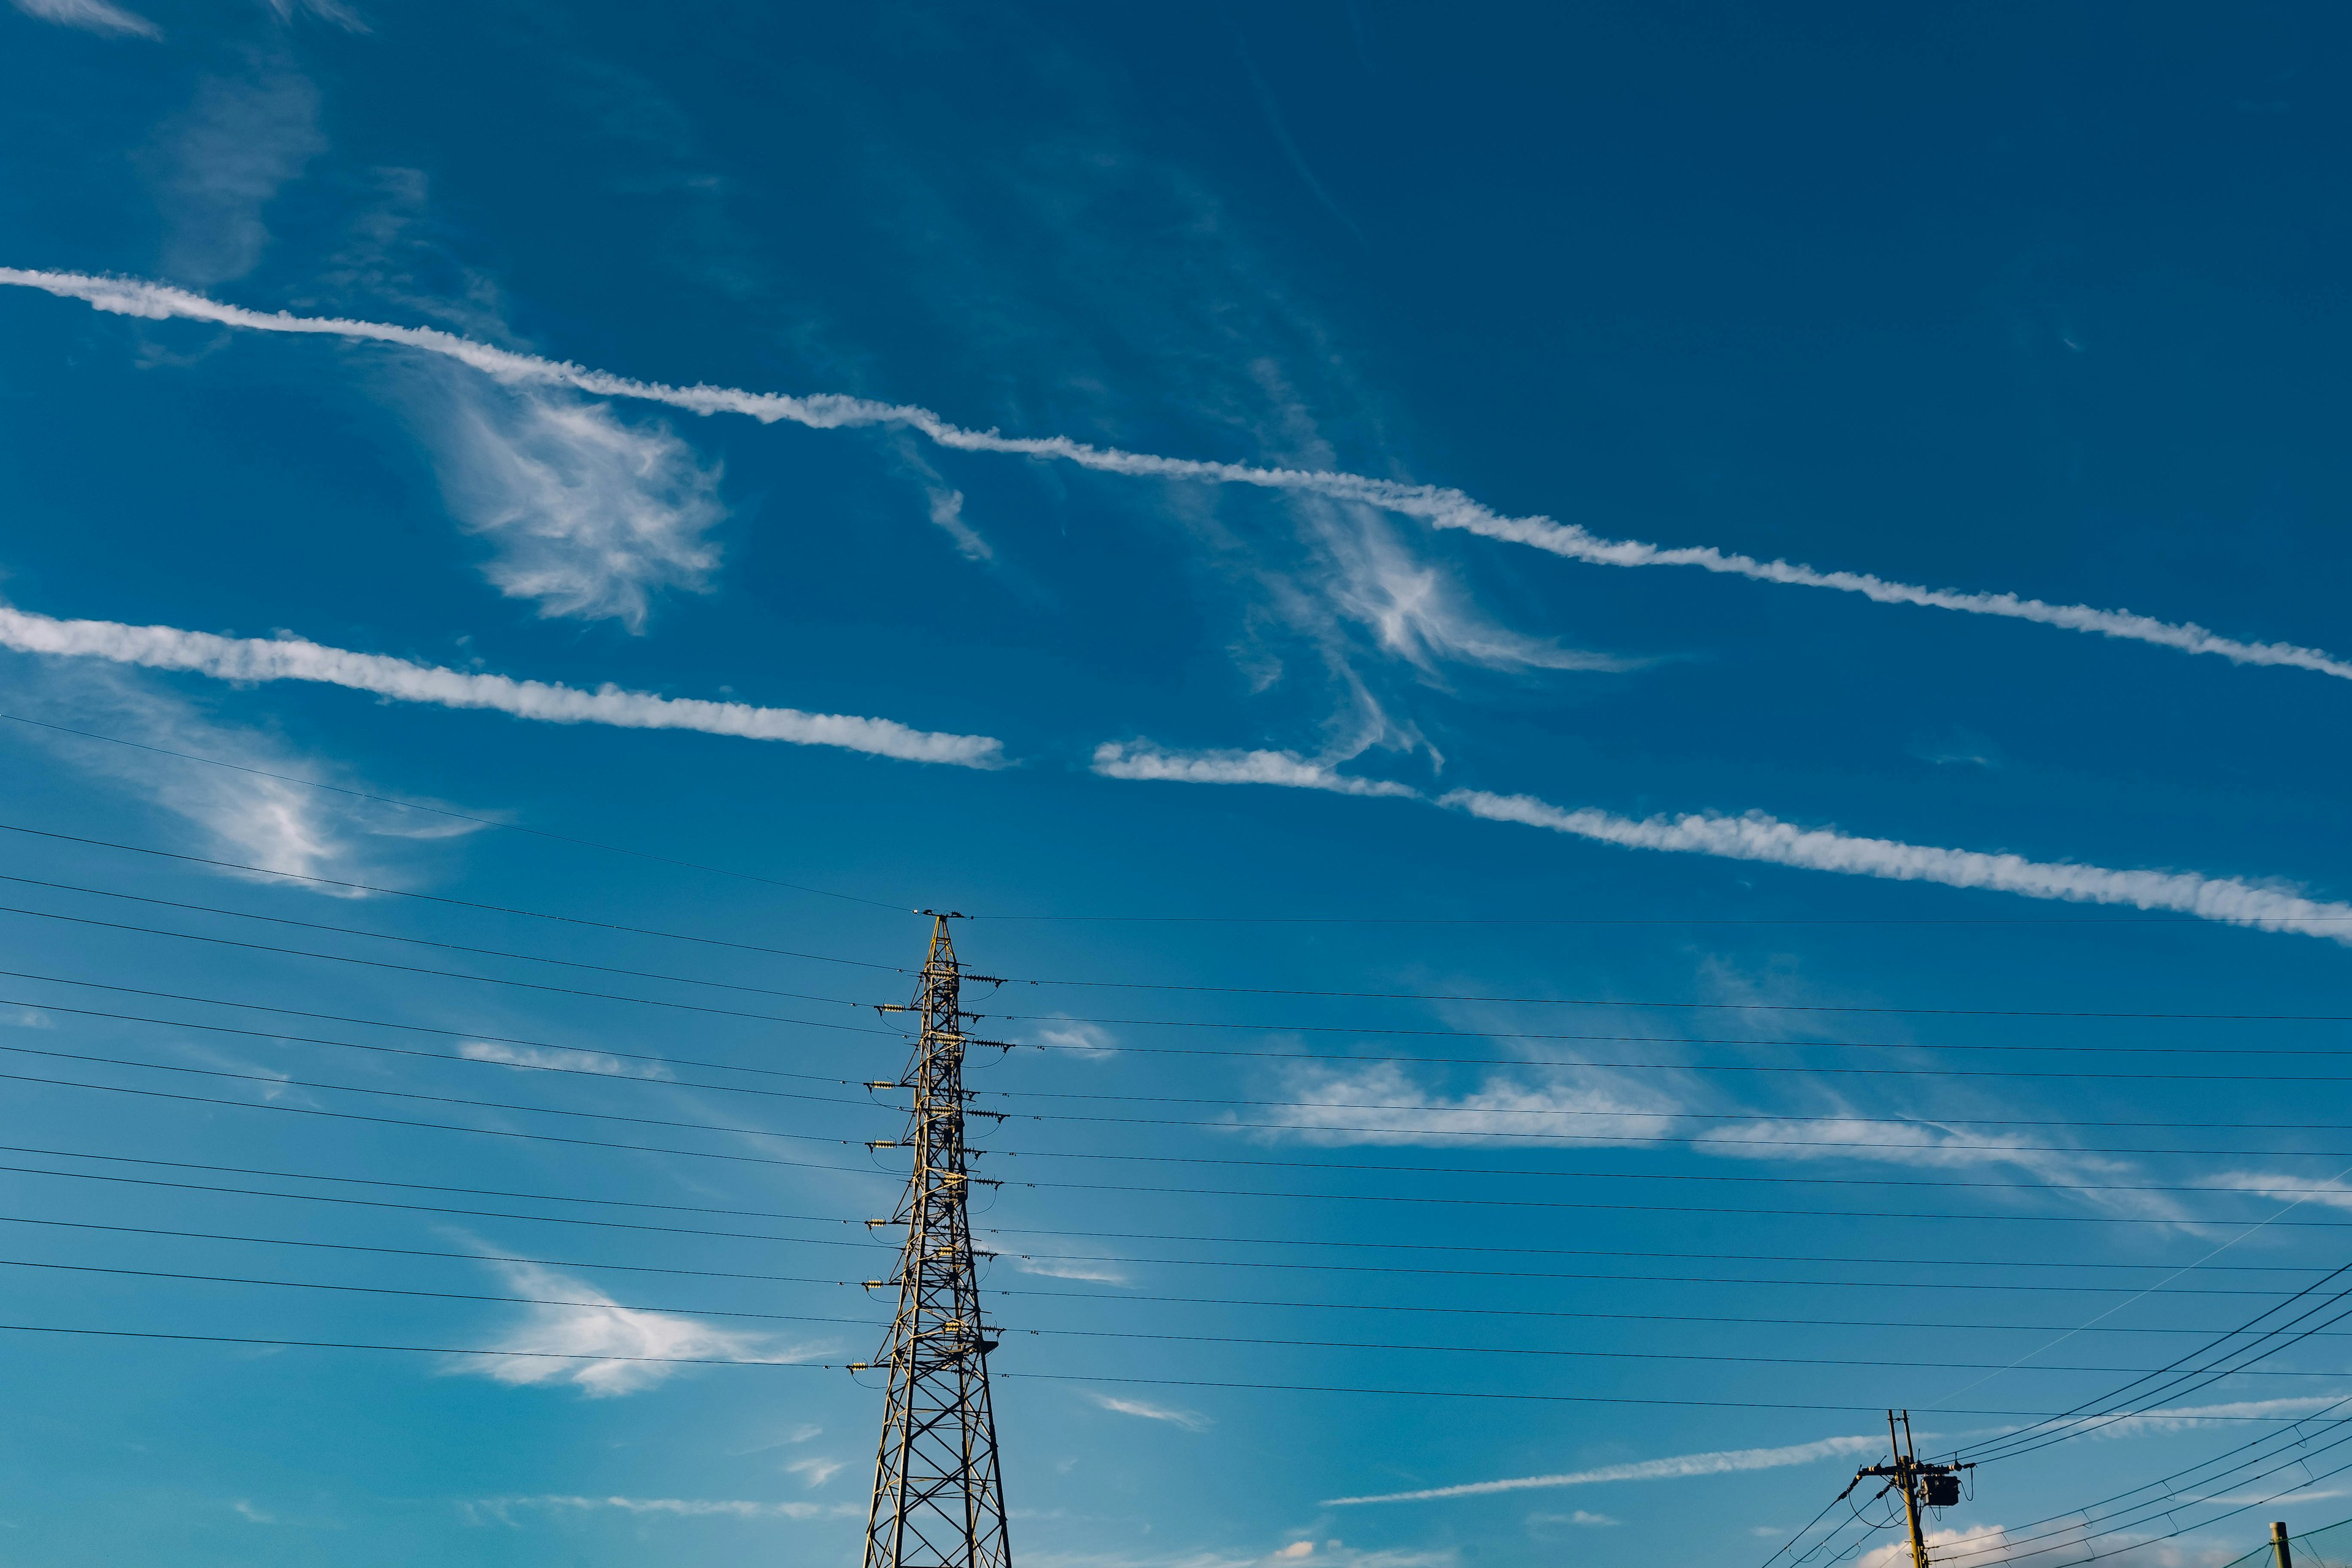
(1922, 1485)
(2279, 1545)
(939, 1500)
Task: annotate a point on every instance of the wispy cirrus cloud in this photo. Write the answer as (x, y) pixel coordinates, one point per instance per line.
(1718, 1462)
(1142, 760)
(1436, 505)
(92, 16)
(589, 516)
(605, 1350)
(570, 1061)
(240, 812)
(1144, 1410)
(221, 164)
(293, 659)
(505, 1509)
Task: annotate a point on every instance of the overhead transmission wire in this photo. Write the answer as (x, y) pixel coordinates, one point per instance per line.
(2167, 1509)
(1090, 1186)
(1075, 1154)
(1227, 920)
(2074, 1422)
(2170, 1382)
(900, 969)
(443, 900)
(1059, 1294)
(1510, 1395)
(806, 996)
(2105, 1519)
(999, 1229)
(277, 1080)
(821, 1219)
(462, 816)
(1930, 1122)
(1538, 1353)
(444, 974)
(1854, 1119)
(395, 936)
(1270, 991)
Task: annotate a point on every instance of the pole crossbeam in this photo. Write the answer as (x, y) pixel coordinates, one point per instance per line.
(1921, 1484)
(939, 1497)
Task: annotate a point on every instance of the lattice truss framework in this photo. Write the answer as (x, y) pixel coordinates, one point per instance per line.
(939, 1497)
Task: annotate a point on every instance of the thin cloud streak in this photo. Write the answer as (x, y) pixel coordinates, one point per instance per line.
(1437, 505)
(1720, 1462)
(92, 16)
(1756, 837)
(1143, 760)
(294, 659)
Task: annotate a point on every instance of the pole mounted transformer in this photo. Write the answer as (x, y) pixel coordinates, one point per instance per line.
(939, 1497)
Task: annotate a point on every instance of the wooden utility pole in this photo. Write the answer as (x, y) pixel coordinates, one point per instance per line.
(1922, 1485)
(2279, 1544)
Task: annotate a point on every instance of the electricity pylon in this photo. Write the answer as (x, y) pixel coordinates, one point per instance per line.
(939, 1500)
(1932, 1486)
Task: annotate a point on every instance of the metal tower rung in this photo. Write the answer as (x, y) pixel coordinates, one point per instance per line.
(939, 1497)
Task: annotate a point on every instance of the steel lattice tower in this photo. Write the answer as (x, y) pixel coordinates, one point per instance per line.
(939, 1500)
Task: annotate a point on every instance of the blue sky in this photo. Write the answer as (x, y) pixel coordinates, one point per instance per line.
(1643, 702)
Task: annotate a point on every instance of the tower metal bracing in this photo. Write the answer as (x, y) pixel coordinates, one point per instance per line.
(939, 1499)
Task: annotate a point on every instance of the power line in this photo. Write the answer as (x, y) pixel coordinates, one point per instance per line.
(1746, 1042)
(483, 1061)
(390, 1024)
(390, 936)
(158, 1182)
(1287, 1027)
(1383, 1245)
(1853, 1118)
(461, 817)
(1061, 1154)
(450, 902)
(1539, 1351)
(1097, 1186)
(1514, 1396)
(441, 973)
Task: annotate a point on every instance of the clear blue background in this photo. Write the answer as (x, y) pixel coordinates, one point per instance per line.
(2046, 299)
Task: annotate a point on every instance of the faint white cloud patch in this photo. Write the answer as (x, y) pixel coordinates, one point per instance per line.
(1191, 1420)
(600, 1347)
(1141, 760)
(2187, 1418)
(27, 1018)
(815, 1472)
(589, 515)
(253, 1515)
(1581, 1517)
(1986, 1543)
(505, 1509)
(1088, 1269)
(1379, 1103)
(92, 16)
(241, 813)
(341, 16)
(1077, 1037)
(943, 500)
(222, 161)
(273, 1086)
(568, 1061)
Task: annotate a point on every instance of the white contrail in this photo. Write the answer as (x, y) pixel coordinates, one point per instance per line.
(1437, 505)
(291, 658)
(1756, 836)
(1721, 1462)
